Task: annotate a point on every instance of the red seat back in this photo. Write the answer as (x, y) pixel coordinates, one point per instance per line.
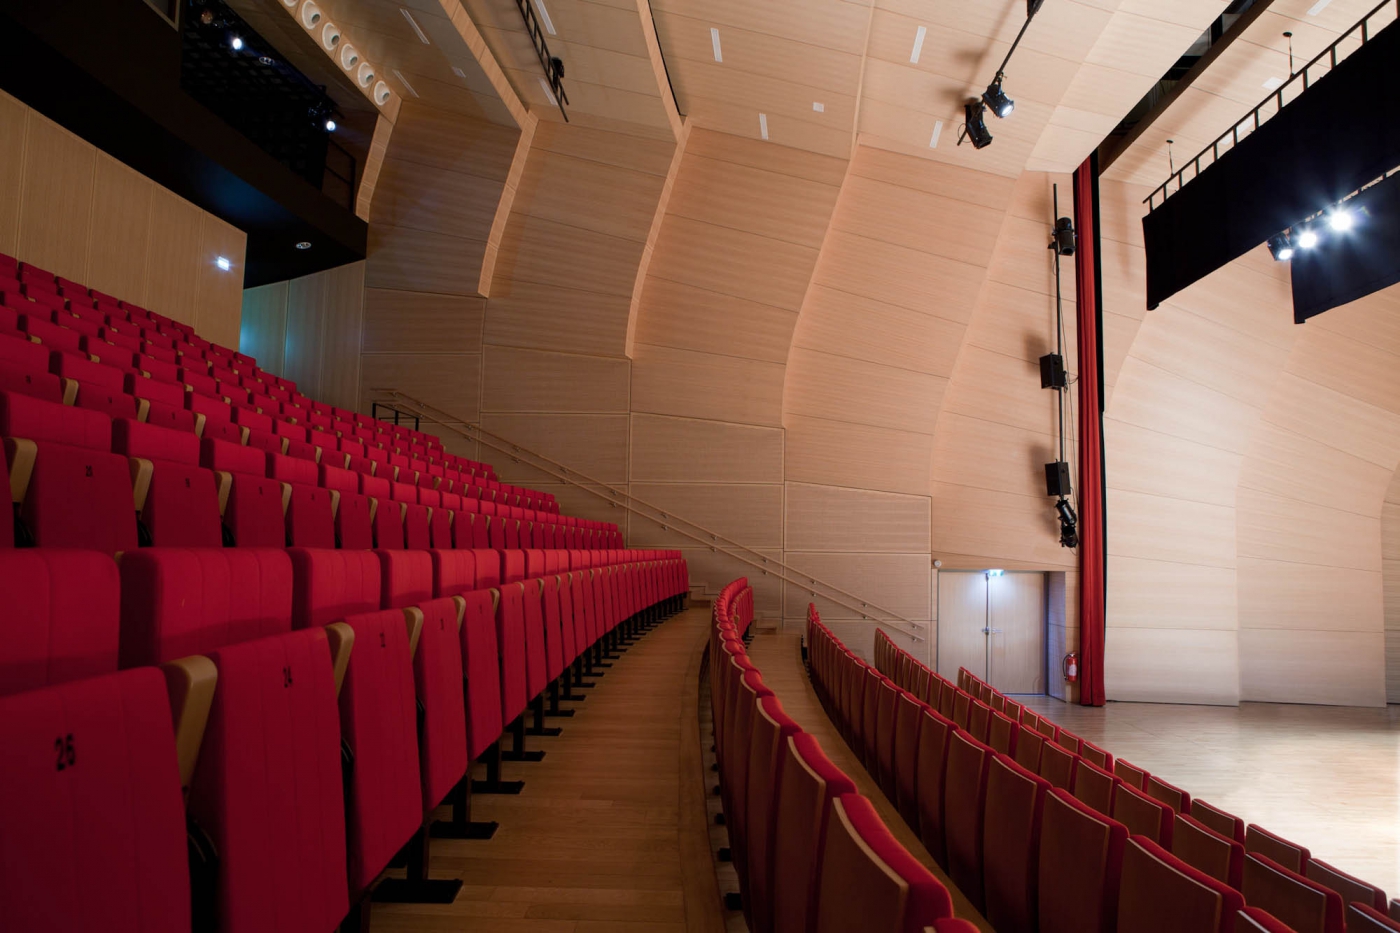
(482, 671)
(536, 649)
(510, 639)
(1079, 865)
(965, 793)
(329, 585)
(60, 615)
(1160, 892)
(907, 717)
(771, 729)
(1011, 845)
(1143, 815)
(1303, 904)
(92, 826)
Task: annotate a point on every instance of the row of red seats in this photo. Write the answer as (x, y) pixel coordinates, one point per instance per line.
(1020, 811)
(81, 479)
(812, 855)
(102, 353)
(244, 739)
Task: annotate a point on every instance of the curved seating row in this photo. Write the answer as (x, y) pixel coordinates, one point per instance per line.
(812, 855)
(313, 705)
(1046, 831)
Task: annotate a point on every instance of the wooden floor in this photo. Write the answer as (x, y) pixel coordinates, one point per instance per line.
(609, 833)
(1326, 777)
(779, 658)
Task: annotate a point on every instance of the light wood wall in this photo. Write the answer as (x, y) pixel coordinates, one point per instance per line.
(1248, 461)
(741, 235)
(308, 330)
(67, 207)
(1390, 569)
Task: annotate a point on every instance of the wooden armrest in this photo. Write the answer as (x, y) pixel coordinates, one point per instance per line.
(199, 421)
(143, 409)
(190, 684)
(335, 502)
(495, 599)
(286, 498)
(70, 390)
(223, 484)
(244, 436)
(413, 618)
(141, 471)
(21, 453)
(342, 642)
(461, 603)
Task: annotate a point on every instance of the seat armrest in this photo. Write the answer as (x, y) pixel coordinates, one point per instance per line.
(190, 684)
(342, 642)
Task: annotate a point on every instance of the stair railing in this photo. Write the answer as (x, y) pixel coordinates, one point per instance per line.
(668, 521)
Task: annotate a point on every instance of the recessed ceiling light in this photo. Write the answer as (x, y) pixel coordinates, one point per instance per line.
(458, 72)
(937, 132)
(266, 60)
(236, 43)
(763, 125)
(548, 94)
(404, 81)
(1273, 84)
(223, 263)
(544, 17)
(1318, 7)
(304, 244)
(330, 125)
(714, 44)
(918, 45)
(416, 28)
(818, 106)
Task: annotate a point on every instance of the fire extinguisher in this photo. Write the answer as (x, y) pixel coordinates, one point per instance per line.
(1071, 667)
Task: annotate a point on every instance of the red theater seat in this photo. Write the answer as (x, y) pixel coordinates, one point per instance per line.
(1226, 824)
(771, 730)
(1206, 850)
(267, 788)
(1160, 892)
(869, 882)
(1143, 815)
(481, 670)
(92, 827)
(78, 494)
(1080, 861)
(251, 503)
(182, 601)
(1011, 845)
(1364, 919)
(1057, 765)
(354, 529)
(1349, 887)
(1174, 797)
(60, 616)
(179, 505)
(1305, 905)
(965, 794)
(309, 517)
(1288, 854)
(908, 717)
(1094, 787)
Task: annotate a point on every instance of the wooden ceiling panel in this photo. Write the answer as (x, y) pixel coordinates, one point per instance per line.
(1138, 44)
(830, 24)
(688, 39)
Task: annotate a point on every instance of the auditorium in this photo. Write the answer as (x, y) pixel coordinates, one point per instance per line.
(700, 466)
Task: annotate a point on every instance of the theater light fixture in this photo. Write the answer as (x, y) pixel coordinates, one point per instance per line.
(235, 42)
(1307, 238)
(1281, 246)
(223, 263)
(1069, 524)
(330, 125)
(1341, 220)
(975, 125)
(304, 244)
(1064, 237)
(996, 100)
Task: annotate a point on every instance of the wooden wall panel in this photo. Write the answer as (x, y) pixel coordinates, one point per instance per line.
(56, 192)
(666, 449)
(1195, 665)
(1338, 668)
(172, 276)
(341, 335)
(710, 386)
(749, 514)
(834, 518)
(302, 353)
(398, 321)
(900, 583)
(263, 331)
(448, 380)
(13, 117)
(118, 238)
(837, 453)
(1390, 574)
(538, 381)
(593, 444)
(219, 292)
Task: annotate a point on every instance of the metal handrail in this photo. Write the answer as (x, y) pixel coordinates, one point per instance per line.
(1164, 189)
(669, 522)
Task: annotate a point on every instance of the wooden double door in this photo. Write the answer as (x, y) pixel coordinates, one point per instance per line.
(995, 627)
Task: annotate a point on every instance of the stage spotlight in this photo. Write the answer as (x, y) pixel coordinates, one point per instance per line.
(975, 129)
(995, 98)
(1281, 245)
(1307, 238)
(1341, 220)
(1069, 532)
(236, 42)
(330, 125)
(1064, 237)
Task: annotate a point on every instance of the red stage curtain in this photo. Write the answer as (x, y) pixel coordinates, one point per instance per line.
(1092, 549)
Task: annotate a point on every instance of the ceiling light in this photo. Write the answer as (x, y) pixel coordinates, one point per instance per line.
(937, 132)
(1307, 238)
(996, 100)
(715, 46)
(818, 106)
(330, 125)
(1281, 246)
(918, 48)
(418, 30)
(975, 129)
(304, 244)
(223, 263)
(544, 17)
(1341, 220)
(236, 42)
(266, 60)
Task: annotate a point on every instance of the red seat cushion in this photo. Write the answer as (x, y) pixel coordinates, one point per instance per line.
(181, 601)
(406, 578)
(267, 788)
(60, 614)
(329, 585)
(454, 572)
(92, 831)
(40, 420)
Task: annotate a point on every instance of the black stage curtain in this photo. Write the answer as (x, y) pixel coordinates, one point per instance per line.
(1346, 266)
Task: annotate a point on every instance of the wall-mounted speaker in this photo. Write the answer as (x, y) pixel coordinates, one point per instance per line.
(1057, 479)
(1052, 372)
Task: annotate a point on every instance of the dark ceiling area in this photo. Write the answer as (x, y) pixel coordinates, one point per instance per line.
(111, 72)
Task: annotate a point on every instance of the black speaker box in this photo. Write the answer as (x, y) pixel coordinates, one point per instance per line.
(1057, 479)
